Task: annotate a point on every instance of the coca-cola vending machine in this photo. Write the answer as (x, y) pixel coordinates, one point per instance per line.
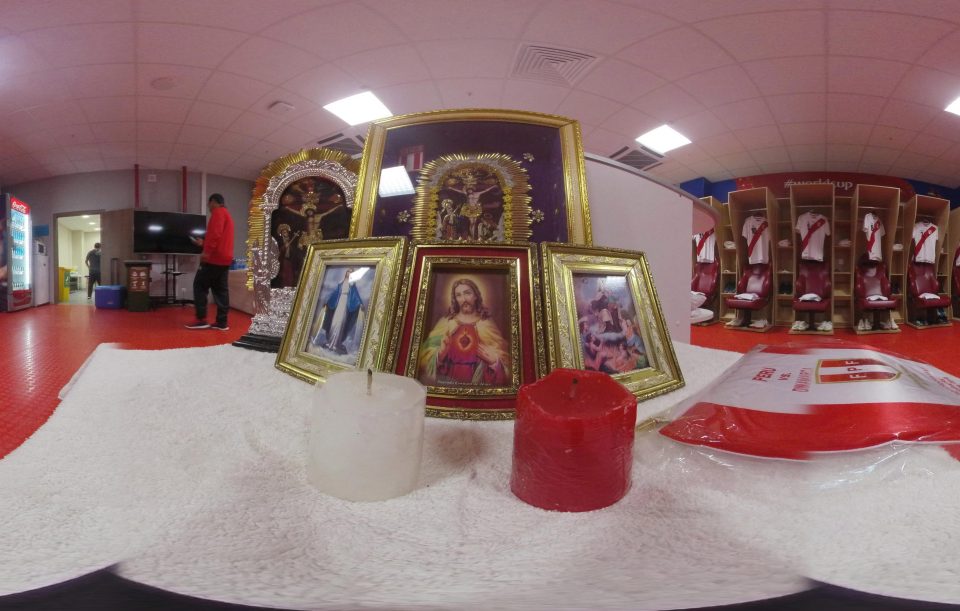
(16, 255)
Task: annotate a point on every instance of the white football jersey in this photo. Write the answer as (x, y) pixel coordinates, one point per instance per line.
(813, 229)
(925, 242)
(757, 233)
(706, 245)
(873, 228)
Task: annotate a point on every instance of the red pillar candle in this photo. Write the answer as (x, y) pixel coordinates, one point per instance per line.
(573, 441)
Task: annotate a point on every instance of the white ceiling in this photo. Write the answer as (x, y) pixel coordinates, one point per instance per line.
(759, 85)
(79, 223)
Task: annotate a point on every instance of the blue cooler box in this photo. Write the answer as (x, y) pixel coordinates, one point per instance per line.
(109, 297)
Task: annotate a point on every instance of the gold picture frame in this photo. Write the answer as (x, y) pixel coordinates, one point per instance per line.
(603, 314)
(548, 149)
(470, 332)
(330, 332)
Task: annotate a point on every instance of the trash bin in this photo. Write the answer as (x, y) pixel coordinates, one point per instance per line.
(63, 284)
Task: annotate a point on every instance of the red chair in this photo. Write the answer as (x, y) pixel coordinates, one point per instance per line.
(870, 278)
(706, 278)
(812, 277)
(755, 279)
(922, 278)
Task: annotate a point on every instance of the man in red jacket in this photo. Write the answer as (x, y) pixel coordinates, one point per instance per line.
(214, 269)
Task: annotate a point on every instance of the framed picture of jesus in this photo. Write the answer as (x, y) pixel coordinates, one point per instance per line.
(603, 314)
(469, 333)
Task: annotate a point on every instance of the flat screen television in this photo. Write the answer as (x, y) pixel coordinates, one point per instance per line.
(167, 232)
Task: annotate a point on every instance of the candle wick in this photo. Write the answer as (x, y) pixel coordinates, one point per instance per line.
(369, 380)
(573, 389)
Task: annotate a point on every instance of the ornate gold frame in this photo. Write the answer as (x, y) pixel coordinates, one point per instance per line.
(560, 263)
(272, 306)
(519, 261)
(575, 186)
(387, 255)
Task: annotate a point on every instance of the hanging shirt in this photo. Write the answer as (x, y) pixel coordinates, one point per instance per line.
(813, 229)
(757, 233)
(873, 228)
(925, 242)
(706, 244)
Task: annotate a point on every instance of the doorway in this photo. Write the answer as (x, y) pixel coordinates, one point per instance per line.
(76, 236)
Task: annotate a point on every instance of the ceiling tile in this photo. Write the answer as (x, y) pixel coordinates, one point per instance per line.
(196, 135)
(720, 85)
(930, 87)
(269, 60)
(845, 152)
(864, 75)
(798, 107)
(587, 108)
(386, 66)
(232, 90)
(859, 32)
(536, 97)
(466, 58)
(253, 125)
(291, 138)
(769, 34)
(804, 133)
(848, 133)
(947, 125)
(39, 141)
(721, 145)
(788, 75)
(907, 115)
(593, 25)
(100, 80)
(19, 123)
(211, 115)
(48, 158)
(336, 31)
(58, 114)
(668, 103)
(74, 134)
(89, 165)
(120, 131)
(301, 106)
(19, 57)
(187, 80)
(103, 110)
(807, 153)
(220, 157)
(409, 97)
(776, 167)
(774, 154)
(760, 137)
(244, 15)
(926, 144)
(471, 93)
(91, 43)
(82, 152)
(688, 154)
(163, 110)
(874, 168)
(619, 81)
(187, 154)
(187, 45)
(230, 141)
(746, 113)
(119, 149)
(700, 125)
(878, 155)
(320, 124)
(910, 163)
(324, 84)
(676, 53)
(891, 137)
(851, 108)
(157, 132)
(735, 161)
(630, 121)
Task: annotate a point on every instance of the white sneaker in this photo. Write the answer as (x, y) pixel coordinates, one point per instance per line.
(759, 324)
(800, 325)
(864, 325)
(825, 326)
(888, 325)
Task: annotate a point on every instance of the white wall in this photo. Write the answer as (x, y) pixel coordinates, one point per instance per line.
(629, 210)
(64, 248)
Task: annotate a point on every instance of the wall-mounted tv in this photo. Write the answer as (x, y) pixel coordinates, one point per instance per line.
(167, 232)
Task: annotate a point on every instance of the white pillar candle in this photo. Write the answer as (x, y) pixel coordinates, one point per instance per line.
(366, 446)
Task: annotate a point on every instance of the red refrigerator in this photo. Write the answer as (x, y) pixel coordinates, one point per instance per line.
(16, 256)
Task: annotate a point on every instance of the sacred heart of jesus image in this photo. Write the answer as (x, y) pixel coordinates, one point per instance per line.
(464, 342)
(833, 371)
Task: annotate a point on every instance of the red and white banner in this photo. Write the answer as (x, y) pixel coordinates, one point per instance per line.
(793, 401)
(411, 158)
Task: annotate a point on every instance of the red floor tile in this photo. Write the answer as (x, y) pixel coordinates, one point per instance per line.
(43, 347)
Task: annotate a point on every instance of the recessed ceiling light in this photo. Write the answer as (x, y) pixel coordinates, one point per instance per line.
(359, 108)
(91, 223)
(663, 139)
(954, 107)
(85, 216)
(395, 181)
(280, 107)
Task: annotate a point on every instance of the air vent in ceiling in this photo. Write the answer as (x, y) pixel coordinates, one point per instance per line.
(351, 145)
(640, 158)
(552, 64)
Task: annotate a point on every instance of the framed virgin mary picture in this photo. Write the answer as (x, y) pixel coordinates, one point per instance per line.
(602, 314)
(470, 332)
(488, 176)
(345, 306)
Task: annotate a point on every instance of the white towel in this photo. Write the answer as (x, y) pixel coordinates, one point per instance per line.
(811, 297)
(876, 298)
(929, 296)
(747, 296)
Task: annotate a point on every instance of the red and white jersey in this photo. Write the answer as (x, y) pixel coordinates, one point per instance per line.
(813, 229)
(706, 245)
(925, 242)
(756, 231)
(793, 401)
(874, 231)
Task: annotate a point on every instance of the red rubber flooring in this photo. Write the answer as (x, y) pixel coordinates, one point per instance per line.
(939, 346)
(43, 347)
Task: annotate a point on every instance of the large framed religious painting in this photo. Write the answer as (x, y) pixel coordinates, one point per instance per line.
(344, 311)
(470, 332)
(298, 200)
(474, 176)
(602, 314)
